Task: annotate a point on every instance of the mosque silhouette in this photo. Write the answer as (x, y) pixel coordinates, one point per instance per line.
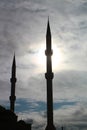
(8, 118)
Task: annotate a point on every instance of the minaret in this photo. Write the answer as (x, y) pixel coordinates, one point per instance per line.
(13, 81)
(49, 76)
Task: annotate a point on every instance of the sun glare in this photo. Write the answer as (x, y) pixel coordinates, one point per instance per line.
(56, 57)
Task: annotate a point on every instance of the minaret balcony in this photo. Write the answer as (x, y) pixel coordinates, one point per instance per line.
(49, 75)
(13, 80)
(48, 52)
(12, 98)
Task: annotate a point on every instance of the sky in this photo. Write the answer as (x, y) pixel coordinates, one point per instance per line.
(23, 25)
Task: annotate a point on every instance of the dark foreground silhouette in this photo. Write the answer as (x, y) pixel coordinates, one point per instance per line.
(8, 121)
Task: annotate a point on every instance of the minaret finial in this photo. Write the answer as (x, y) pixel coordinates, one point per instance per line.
(48, 28)
(48, 18)
(13, 81)
(14, 53)
(14, 61)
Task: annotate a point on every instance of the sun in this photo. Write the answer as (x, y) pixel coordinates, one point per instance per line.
(56, 57)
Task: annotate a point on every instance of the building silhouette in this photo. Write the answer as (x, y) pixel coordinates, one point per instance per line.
(8, 121)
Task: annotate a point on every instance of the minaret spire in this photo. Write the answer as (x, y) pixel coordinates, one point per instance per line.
(49, 76)
(13, 81)
(48, 28)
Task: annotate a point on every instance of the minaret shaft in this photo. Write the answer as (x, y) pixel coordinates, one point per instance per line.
(49, 78)
(49, 65)
(48, 46)
(13, 82)
(49, 103)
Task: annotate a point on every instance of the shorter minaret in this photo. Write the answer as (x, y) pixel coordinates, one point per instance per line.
(13, 82)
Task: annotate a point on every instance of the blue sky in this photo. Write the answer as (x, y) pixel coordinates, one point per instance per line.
(23, 30)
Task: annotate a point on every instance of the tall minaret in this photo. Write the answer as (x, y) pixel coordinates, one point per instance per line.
(49, 76)
(13, 81)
